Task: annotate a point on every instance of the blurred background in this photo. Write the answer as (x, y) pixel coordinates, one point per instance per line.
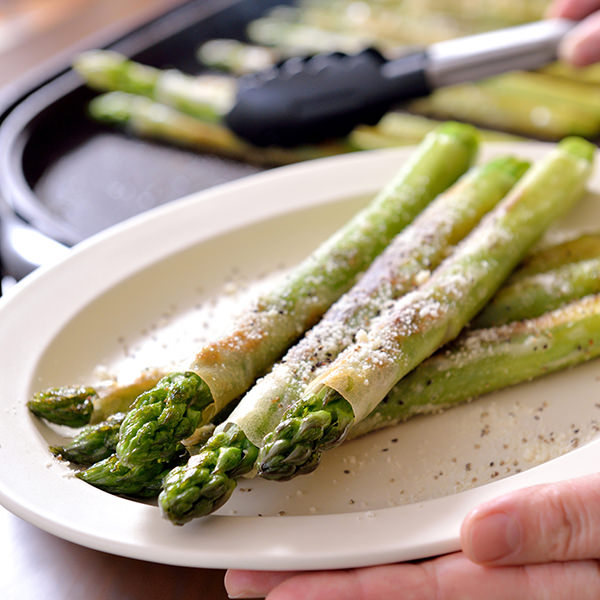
(80, 151)
(33, 31)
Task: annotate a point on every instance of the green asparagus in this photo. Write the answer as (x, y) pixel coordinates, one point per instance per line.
(509, 110)
(68, 405)
(98, 441)
(427, 318)
(93, 443)
(150, 436)
(589, 74)
(82, 405)
(410, 256)
(206, 98)
(580, 248)
(147, 118)
(239, 58)
(533, 295)
(480, 361)
(161, 417)
(229, 365)
(542, 86)
(112, 476)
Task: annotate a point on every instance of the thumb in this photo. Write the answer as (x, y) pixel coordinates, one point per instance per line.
(545, 523)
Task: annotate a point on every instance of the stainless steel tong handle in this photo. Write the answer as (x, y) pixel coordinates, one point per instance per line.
(482, 55)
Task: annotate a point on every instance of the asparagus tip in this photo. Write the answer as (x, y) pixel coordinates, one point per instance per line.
(578, 147)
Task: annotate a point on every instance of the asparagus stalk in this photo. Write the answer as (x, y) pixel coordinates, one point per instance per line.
(112, 476)
(580, 248)
(93, 443)
(549, 261)
(410, 256)
(228, 366)
(68, 405)
(480, 361)
(535, 294)
(589, 74)
(206, 98)
(427, 318)
(77, 406)
(485, 360)
(543, 86)
(403, 125)
(146, 118)
(237, 57)
(509, 110)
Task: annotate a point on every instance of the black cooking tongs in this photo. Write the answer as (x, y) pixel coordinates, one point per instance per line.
(307, 100)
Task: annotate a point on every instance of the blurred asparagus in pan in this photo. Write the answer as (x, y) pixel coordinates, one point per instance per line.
(149, 119)
(186, 110)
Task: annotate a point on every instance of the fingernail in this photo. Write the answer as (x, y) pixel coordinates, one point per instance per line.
(494, 537)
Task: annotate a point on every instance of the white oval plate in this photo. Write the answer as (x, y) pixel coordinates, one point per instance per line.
(396, 495)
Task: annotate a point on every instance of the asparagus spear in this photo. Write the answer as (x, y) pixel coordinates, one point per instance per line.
(549, 261)
(76, 406)
(237, 57)
(478, 362)
(402, 125)
(485, 360)
(68, 405)
(150, 435)
(147, 118)
(509, 110)
(580, 248)
(93, 443)
(161, 417)
(542, 86)
(589, 74)
(535, 294)
(427, 318)
(112, 476)
(206, 98)
(228, 366)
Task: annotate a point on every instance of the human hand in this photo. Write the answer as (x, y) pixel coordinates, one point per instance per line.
(582, 45)
(537, 543)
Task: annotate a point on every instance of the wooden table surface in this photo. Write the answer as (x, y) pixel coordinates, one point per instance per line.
(34, 564)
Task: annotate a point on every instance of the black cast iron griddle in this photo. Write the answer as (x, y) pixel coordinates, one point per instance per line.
(69, 177)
